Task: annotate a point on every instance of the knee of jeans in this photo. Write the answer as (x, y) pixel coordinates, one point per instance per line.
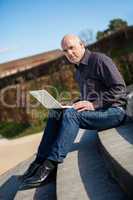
(70, 113)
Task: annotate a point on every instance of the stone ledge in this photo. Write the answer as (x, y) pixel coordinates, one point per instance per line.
(117, 149)
(83, 175)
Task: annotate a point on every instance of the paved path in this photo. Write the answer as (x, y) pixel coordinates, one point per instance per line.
(12, 152)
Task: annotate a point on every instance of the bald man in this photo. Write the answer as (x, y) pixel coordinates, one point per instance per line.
(101, 106)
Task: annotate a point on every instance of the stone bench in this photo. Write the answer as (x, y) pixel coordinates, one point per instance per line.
(117, 149)
(83, 174)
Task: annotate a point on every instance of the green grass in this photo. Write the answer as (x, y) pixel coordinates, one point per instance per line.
(13, 130)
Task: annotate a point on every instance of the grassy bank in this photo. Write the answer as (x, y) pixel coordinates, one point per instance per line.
(13, 130)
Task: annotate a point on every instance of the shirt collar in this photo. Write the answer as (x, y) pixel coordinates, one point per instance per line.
(85, 58)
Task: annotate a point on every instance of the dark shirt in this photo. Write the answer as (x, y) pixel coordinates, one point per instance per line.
(100, 81)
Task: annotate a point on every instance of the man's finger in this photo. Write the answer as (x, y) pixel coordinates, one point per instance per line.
(79, 107)
(82, 109)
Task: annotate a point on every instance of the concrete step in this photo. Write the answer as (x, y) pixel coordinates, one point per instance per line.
(83, 175)
(9, 184)
(117, 149)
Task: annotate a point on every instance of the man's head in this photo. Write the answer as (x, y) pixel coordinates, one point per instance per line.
(73, 48)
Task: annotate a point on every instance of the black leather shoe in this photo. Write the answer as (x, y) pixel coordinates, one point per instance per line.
(30, 171)
(40, 177)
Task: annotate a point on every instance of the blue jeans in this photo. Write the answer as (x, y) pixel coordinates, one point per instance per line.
(62, 128)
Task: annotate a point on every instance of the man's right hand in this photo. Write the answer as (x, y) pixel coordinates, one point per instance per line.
(83, 105)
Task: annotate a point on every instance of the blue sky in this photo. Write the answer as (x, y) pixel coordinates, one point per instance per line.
(29, 27)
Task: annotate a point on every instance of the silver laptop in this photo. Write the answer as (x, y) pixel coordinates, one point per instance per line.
(47, 99)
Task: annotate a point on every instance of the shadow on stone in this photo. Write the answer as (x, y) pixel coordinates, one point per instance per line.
(10, 182)
(47, 192)
(126, 131)
(9, 189)
(97, 182)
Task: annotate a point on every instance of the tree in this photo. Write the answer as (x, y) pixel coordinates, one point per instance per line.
(117, 24)
(99, 35)
(114, 25)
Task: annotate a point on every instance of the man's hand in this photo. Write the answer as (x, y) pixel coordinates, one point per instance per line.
(83, 105)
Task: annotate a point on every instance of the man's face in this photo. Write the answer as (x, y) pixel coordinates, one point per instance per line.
(73, 49)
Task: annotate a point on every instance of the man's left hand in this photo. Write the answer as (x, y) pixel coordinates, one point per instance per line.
(83, 105)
